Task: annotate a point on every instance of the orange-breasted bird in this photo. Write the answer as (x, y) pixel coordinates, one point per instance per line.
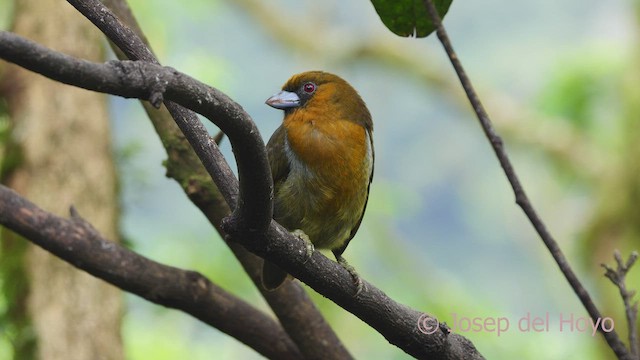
(321, 161)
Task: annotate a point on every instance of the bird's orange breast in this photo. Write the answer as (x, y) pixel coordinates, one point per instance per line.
(331, 163)
(335, 150)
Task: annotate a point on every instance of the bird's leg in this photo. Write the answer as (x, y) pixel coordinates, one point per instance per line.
(307, 242)
(357, 281)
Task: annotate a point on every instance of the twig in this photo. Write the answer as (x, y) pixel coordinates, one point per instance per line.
(618, 278)
(522, 199)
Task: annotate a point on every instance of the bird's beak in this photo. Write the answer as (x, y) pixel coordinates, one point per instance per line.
(283, 100)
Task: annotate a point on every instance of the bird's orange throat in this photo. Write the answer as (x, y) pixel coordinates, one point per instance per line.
(336, 149)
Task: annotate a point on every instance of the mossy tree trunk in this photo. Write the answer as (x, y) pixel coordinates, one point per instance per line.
(59, 154)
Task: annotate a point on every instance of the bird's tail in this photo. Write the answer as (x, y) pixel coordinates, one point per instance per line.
(272, 276)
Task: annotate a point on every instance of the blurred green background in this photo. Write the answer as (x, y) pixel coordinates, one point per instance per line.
(442, 233)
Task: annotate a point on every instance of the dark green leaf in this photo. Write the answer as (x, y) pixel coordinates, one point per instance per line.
(408, 17)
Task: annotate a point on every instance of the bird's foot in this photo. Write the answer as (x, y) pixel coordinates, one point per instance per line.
(307, 242)
(357, 281)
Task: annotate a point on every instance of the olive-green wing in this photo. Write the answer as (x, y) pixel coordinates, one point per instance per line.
(272, 275)
(338, 252)
(277, 156)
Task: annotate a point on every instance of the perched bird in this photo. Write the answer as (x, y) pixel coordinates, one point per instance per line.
(321, 161)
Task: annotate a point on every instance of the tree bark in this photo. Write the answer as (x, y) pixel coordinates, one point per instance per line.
(63, 136)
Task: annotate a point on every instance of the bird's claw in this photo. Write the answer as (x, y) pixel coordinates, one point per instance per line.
(357, 281)
(307, 242)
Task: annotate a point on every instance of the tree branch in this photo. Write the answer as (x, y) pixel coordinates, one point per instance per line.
(522, 199)
(396, 322)
(77, 242)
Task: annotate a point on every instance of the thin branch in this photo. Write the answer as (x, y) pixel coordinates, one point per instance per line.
(77, 242)
(522, 199)
(618, 278)
(396, 322)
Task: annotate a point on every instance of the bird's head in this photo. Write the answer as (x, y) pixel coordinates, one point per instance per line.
(318, 91)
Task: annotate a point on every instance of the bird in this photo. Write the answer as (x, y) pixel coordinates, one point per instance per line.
(322, 161)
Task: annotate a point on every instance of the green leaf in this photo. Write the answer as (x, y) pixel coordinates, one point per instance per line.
(409, 17)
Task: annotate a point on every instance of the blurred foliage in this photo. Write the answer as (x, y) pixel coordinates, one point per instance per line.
(15, 328)
(581, 87)
(6, 163)
(16, 336)
(591, 94)
(596, 93)
(409, 17)
(6, 11)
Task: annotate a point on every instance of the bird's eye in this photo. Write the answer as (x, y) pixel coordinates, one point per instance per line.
(309, 88)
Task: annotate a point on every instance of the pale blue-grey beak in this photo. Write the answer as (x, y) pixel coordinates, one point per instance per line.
(283, 100)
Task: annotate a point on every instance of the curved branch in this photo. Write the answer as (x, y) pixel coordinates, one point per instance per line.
(396, 322)
(253, 207)
(135, 49)
(134, 79)
(77, 242)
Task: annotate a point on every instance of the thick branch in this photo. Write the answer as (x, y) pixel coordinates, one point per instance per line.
(398, 323)
(77, 242)
(522, 199)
